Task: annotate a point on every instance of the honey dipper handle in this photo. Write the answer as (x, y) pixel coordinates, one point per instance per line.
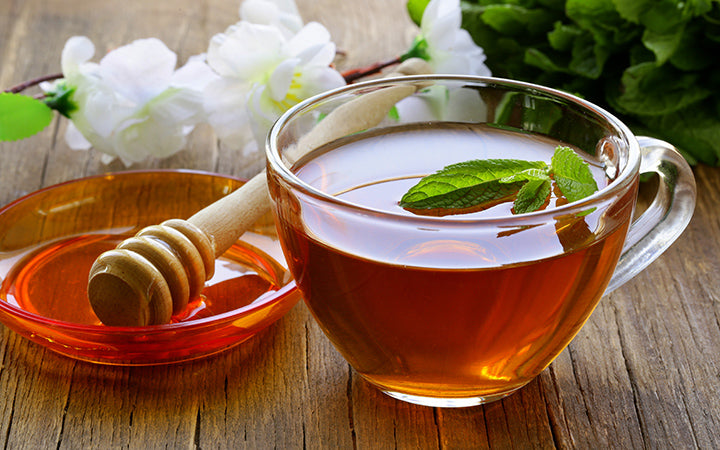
(228, 218)
(152, 275)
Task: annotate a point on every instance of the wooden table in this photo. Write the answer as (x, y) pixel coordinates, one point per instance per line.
(643, 373)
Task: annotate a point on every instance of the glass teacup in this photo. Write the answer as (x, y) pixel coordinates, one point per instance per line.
(459, 309)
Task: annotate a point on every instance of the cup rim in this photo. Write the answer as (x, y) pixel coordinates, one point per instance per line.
(624, 177)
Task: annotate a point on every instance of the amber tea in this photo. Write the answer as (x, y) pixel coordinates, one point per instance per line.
(429, 313)
(457, 300)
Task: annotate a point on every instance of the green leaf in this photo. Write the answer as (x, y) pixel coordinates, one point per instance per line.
(695, 46)
(572, 175)
(527, 175)
(22, 116)
(664, 45)
(416, 8)
(532, 196)
(418, 49)
(561, 38)
(678, 38)
(602, 20)
(694, 130)
(588, 58)
(651, 90)
(394, 114)
(517, 20)
(466, 185)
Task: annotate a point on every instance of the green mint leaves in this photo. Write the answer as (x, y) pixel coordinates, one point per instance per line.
(475, 185)
(462, 187)
(572, 175)
(650, 61)
(22, 116)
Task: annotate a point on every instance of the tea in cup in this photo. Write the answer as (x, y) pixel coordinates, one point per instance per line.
(463, 306)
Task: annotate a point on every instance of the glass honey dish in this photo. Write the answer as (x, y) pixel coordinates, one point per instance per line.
(50, 238)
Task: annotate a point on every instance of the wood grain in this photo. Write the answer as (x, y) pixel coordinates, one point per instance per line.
(643, 373)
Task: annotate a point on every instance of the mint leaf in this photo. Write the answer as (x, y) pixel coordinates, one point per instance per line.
(528, 175)
(532, 196)
(478, 184)
(467, 185)
(22, 116)
(534, 193)
(572, 174)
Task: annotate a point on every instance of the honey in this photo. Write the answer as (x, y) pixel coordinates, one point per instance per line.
(50, 238)
(52, 281)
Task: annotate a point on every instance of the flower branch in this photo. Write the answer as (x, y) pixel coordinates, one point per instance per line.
(34, 82)
(353, 75)
(134, 103)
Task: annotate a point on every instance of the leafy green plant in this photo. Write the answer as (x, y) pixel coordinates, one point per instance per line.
(653, 63)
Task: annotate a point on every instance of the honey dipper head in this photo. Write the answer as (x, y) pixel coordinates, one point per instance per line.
(151, 276)
(125, 289)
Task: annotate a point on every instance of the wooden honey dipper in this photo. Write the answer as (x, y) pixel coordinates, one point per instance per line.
(149, 277)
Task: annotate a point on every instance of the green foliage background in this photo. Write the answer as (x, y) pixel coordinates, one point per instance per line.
(653, 63)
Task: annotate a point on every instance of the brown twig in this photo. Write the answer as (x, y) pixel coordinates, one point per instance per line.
(356, 74)
(34, 82)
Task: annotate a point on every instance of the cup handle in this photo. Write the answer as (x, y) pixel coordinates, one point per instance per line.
(666, 217)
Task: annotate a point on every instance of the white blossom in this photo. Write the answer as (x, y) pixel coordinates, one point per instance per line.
(281, 14)
(443, 103)
(133, 104)
(266, 66)
(449, 48)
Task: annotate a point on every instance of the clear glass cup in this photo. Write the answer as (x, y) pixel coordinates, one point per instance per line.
(459, 310)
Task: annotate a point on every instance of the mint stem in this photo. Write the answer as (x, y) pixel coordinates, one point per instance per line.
(34, 82)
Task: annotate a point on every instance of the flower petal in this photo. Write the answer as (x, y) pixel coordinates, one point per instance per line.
(145, 136)
(177, 107)
(248, 51)
(74, 138)
(435, 10)
(311, 35)
(450, 49)
(280, 79)
(225, 103)
(283, 15)
(442, 32)
(139, 71)
(195, 74)
(77, 50)
(317, 79)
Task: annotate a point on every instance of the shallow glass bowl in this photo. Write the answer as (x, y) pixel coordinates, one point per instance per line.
(50, 238)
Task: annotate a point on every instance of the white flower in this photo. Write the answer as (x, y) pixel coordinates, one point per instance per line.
(447, 47)
(133, 104)
(281, 14)
(449, 104)
(265, 67)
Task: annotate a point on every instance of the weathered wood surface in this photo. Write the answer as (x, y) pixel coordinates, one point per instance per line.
(643, 373)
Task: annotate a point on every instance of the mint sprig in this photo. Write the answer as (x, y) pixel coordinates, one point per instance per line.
(478, 184)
